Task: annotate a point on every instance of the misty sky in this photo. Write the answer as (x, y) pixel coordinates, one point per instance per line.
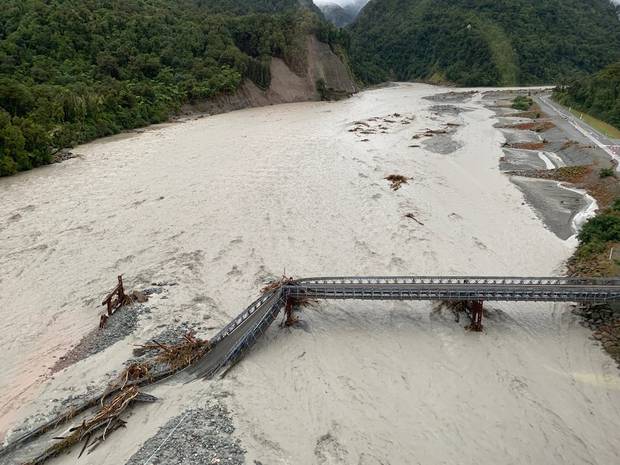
(343, 2)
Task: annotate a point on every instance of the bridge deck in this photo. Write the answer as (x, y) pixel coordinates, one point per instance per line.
(241, 333)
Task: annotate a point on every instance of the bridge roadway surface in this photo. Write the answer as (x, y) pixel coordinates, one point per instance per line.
(243, 331)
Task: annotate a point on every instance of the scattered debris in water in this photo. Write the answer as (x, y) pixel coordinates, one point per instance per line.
(411, 216)
(397, 180)
(379, 124)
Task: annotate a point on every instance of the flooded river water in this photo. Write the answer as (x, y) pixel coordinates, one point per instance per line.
(219, 205)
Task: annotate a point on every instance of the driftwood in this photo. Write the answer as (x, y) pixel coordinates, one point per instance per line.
(106, 420)
(411, 216)
(78, 409)
(176, 356)
(117, 298)
(276, 284)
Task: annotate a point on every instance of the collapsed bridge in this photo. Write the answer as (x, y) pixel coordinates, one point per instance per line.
(242, 332)
(227, 346)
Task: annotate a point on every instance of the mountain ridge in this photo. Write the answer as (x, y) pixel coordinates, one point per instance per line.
(483, 42)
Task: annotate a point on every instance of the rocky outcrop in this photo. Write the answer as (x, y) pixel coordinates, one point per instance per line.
(325, 65)
(287, 86)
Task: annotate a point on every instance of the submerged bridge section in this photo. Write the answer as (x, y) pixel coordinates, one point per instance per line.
(241, 333)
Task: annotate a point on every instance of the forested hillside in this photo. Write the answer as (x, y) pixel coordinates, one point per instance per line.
(256, 6)
(484, 42)
(74, 70)
(597, 95)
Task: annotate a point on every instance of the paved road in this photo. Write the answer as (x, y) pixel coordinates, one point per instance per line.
(575, 126)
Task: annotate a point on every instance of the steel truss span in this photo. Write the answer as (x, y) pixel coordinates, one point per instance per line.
(541, 289)
(242, 332)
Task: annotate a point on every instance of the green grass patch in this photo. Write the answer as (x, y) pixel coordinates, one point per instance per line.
(601, 126)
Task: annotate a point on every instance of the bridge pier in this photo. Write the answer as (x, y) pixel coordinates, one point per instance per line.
(474, 308)
(288, 311)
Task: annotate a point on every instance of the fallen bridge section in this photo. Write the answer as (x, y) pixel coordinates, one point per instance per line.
(239, 335)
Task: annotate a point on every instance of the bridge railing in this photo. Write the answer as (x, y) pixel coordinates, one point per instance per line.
(277, 299)
(595, 294)
(244, 315)
(557, 281)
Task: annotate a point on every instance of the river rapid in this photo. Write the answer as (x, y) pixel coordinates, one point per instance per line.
(220, 205)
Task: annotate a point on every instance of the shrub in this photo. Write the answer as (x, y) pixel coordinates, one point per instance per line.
(601, 228)
(606, 172)
(522, 103)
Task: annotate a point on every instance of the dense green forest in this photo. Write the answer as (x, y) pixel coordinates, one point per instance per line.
(242, 7)
(74, 70)
(597, 95)
(484, 42)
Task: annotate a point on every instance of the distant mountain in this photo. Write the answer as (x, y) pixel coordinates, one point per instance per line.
(343, 13)
(336, 14)
(484, 42)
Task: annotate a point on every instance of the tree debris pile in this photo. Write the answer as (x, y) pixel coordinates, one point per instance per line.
(178, 356)
(276, 284)
(105, 421)
(397, 180)
(295, 304)
(117, 298)
(158, 358)
(160, 361)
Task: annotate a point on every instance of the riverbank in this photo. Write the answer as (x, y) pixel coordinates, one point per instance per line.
(568, 181)
(220, 206)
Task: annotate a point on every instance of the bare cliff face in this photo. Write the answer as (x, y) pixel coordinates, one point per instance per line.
(322, 64)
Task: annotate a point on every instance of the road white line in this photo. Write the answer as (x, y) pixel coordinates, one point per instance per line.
(571, 120)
